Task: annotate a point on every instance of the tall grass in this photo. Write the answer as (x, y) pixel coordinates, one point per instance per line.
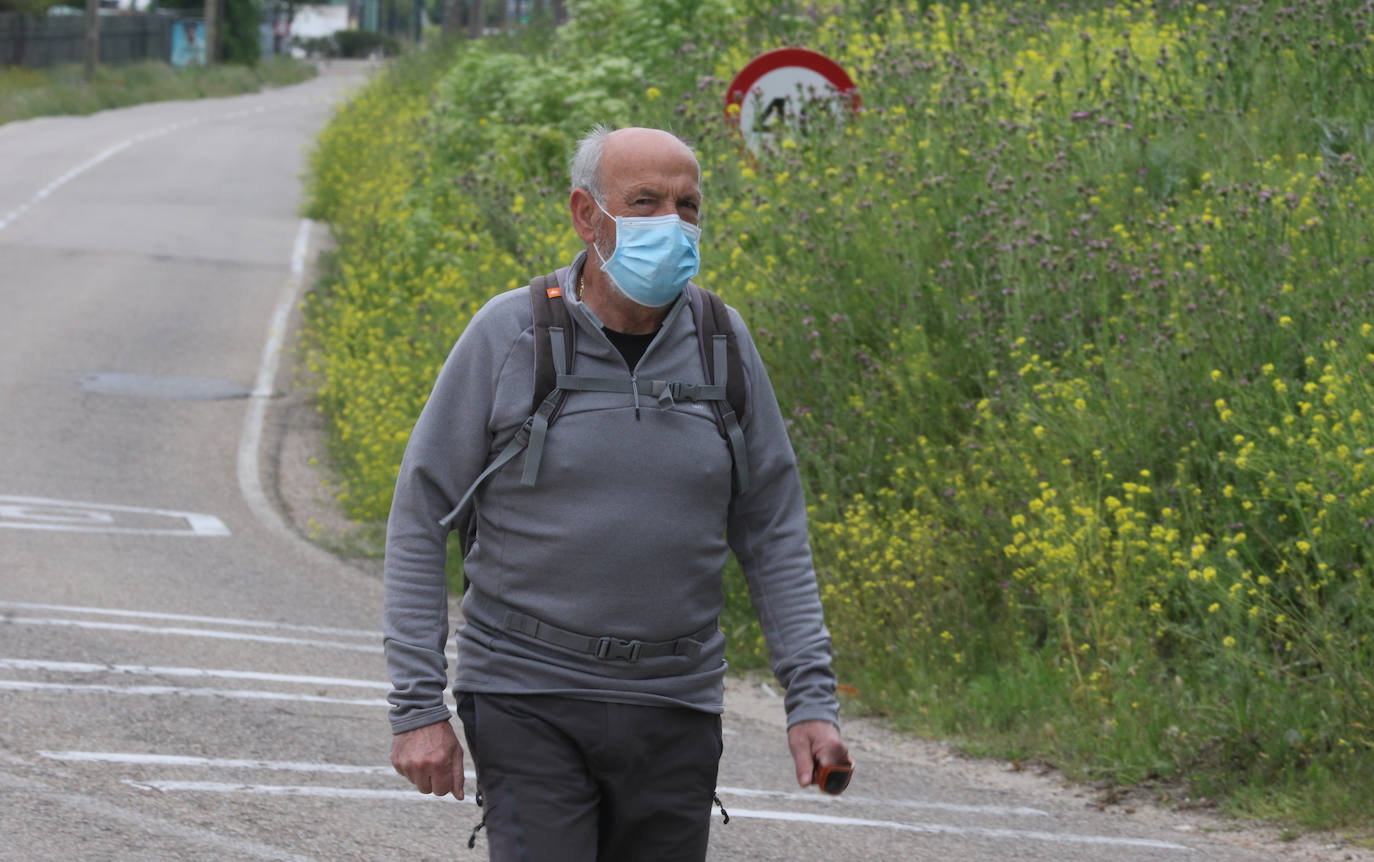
(27, 93)
(1072, 326)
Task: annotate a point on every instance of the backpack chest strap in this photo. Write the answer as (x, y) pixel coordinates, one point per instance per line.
(666, 392)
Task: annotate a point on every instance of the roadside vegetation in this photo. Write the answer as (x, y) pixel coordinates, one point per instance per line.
(27, 93)
(1073, 324)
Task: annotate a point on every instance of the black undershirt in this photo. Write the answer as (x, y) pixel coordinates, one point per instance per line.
(630, 345)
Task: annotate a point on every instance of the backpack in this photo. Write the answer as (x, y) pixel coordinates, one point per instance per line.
(554, 349)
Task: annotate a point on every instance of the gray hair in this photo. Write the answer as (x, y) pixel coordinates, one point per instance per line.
(586, 162)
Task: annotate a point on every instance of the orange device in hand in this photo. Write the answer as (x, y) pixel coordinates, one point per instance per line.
(834, 779)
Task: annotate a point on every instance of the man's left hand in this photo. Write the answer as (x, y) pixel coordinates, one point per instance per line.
(812, 743)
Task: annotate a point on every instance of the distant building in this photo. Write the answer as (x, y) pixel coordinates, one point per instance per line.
(317, 21)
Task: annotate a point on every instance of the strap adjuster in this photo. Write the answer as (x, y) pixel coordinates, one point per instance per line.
(612, 648)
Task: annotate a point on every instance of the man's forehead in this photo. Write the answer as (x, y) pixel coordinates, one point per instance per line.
(644, 155)
(646, 141)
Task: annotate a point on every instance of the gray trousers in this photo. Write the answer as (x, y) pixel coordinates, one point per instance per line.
(568, 780)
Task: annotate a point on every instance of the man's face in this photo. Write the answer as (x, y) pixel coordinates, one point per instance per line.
(646, 172)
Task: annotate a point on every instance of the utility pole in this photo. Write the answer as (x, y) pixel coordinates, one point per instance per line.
(475, 22)
(453, 13)
(211, 31)
(92, 37)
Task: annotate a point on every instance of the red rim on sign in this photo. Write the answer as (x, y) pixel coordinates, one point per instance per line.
(787, 65)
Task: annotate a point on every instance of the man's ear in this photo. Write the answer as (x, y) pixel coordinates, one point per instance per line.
(584, 211)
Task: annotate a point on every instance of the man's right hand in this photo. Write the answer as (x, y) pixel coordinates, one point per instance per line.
(431, 758)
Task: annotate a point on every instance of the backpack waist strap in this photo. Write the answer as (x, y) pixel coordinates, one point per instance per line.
(605, 647)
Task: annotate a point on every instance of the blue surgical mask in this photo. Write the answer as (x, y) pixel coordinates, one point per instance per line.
(654, 257)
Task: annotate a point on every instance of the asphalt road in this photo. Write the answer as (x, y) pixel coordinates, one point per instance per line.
(182, 676)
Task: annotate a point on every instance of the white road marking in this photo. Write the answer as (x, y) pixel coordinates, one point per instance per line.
(848, 799)
(54, 514)
(783, 816)
(154, 690)
(202, 673)
(287, 790)
(215, 762)
(91, 163)
(450, 653)
(61, 181)
(249, 471)
(177, 786)
(10, 217)
(188, 618)
(188, 632)
(42, 513)
(944, 829)
(276, 329)
(340, 768)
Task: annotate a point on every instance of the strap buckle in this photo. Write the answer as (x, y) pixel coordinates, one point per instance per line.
(611, 648)
(663, 391)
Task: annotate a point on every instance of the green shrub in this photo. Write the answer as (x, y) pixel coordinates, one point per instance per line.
(364, 43)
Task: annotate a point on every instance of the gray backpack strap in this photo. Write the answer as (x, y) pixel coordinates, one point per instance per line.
(555, 344)
(720, 347)
(574, 383)
(539, 422)
(549, 314)
(521, 439)
(724, 368)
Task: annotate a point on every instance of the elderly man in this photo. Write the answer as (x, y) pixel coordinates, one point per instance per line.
(590, 663)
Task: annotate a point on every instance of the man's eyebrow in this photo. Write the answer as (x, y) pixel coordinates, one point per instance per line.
(642, 192)
(657, 193)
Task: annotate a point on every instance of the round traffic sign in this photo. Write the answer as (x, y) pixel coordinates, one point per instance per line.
(781, 89)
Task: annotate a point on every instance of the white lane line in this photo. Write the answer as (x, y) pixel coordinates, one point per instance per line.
(155, 690)
(847, 799)
(42, 513)
(56, 184)
(350, 769)
(215, 762)
(250, 440)
(340, 768)
(188, 618)
(188, 632)
(195, 672)
(7, 219)
(944, 829)
(288, 790)
(783, 816)
(91, 163)
(276, 330)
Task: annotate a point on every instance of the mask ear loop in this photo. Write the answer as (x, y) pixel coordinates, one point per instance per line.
(597, 246)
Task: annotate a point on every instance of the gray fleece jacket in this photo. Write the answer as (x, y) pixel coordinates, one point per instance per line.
(625, 533)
